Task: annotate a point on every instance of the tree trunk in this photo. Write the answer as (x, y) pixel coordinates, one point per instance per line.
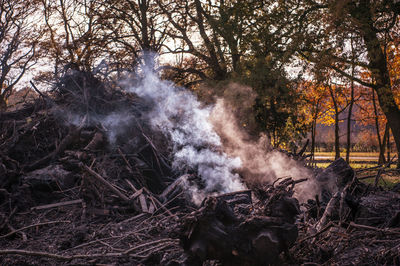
(313, 131)
(378, 133)
(379, 70)
(382, 150)
(348, 144)
(337, 137)
(349, 114)
(388, 144)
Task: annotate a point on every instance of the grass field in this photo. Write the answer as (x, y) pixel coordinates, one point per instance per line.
(363, 154)
(386, 181)
(358, 161)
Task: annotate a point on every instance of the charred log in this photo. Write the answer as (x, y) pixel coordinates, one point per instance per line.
(233, 230)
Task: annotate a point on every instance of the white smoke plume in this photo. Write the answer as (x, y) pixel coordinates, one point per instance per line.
(260, 164)
(113, 124)
(209, 139)
(182, 118)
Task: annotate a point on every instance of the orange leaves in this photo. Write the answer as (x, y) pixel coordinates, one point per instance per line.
(393, 59)
(323, 101)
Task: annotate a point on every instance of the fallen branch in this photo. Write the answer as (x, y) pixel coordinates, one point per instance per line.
(30, 226)
(85, 256)
(126, 161)
(328, 211)
(104, 182)
(59, 204)
(166, 240)
(55, 256)
(383, 230)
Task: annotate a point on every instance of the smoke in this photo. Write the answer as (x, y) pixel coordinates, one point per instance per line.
(260, 164)
(208, 140)
(114, 124)
(180, 116)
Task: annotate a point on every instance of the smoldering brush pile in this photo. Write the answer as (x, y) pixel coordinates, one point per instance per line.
(89, 174)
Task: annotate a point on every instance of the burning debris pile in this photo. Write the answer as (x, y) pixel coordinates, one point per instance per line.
(90, 174)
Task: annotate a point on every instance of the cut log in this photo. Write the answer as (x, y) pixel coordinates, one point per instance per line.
(339, 171)
(53, 178)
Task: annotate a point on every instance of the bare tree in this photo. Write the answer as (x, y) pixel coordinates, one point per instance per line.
(75, 38)
(17, 45)
(211, 31)
(138, 30)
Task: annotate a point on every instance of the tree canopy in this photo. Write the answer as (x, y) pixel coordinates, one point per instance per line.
(308, 62)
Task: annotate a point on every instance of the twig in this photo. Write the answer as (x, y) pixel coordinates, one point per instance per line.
(126, 161)
(12, 229)
(341, 202)
(154, 249)
(152, 198)
(381, 171)
(84, 256)
(30, 226)
(303, 149)
(38, 91)
(104, 182)
(163, 206)
(383, 230)
(56, 256)
(329, 225)
(131, 185)
(8, 218)
(59, 204)
(149, 243)
(93, 242)
(136, 194)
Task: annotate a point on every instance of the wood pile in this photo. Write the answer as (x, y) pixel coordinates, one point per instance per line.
(71, 194)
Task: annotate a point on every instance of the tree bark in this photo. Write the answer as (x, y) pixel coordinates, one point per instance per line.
(337, 137)
(383, 148)
(379, 70)
(349, 114)
(388, 144)
(378, 133)
(313, 131)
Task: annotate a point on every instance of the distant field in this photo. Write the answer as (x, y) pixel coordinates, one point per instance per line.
(357, 159)
(354, 156)
(363, 154)
(354, 165)
(360, 160)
